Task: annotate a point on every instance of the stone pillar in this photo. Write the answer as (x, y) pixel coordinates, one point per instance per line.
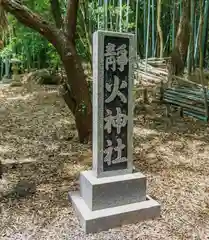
(15, 70)
(7, 67)
(112, 193)
(16, 79)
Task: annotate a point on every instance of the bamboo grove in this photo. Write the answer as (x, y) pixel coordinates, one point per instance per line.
(155, 23)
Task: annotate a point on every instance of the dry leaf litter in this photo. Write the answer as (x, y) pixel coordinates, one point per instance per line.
(42, 159)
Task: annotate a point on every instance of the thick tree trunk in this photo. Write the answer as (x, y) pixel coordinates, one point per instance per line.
(183, 33)
(76, 93)
(179, 53)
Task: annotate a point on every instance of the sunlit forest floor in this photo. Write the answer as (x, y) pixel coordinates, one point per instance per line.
(42, 159)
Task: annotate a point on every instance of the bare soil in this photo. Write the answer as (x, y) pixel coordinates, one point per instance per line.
(42, 159)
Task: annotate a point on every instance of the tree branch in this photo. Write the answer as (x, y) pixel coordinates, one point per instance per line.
(56, 12)
(71, 19)
(31, 20)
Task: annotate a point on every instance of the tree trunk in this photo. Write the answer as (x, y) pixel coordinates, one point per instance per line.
(183, 33)
(75, 90)
(179, 53)
(77, 96)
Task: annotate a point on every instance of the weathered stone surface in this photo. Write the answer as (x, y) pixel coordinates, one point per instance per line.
(99, 193)
(104, 219)
(103, 83)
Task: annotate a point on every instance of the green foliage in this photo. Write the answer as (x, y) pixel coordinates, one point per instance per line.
(27, 45)
(35, 52)
(92, 17)
(53, 58)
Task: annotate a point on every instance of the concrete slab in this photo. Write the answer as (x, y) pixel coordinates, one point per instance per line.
(108, 218)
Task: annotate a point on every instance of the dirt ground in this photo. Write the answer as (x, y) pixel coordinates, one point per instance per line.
(42, 159)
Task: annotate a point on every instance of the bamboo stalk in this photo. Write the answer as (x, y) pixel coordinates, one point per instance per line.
(105, 14)
(110, 16)
(159, 27)
(205, 28)
(201, 56)
(173, 24)
(145, 17)
(147, 40)
(98, 22)
(121, 15)
(153, 28)
(127, 16)
(136, 27)
(191, 42)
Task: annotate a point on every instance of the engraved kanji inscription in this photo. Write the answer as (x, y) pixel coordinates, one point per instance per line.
(122, 58)
(116, 56)
(118, 149)
(118, 121)
(114, 90)
(110, 57)
(109, 151)
(115, 106)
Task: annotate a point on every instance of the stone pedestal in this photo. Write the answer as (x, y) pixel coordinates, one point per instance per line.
(112, 194)
(109, 202)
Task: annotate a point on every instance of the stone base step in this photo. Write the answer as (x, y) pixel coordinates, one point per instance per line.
(107, 218)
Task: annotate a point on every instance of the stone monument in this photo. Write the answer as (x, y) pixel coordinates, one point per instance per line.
(112, 193)
(6, 66)
(16, 79)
